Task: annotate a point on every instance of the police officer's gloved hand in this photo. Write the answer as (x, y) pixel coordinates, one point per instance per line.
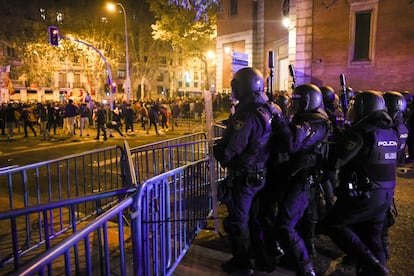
(306, 128)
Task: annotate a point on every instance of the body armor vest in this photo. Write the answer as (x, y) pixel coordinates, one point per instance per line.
(377, 160)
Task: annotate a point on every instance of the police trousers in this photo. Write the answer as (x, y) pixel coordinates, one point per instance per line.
(236, 224)
(355, 223)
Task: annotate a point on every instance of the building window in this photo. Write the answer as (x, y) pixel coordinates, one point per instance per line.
(363, 18)
(121, 74)
(10, 52)
(163, 60)
(77, 82)
(63, 81)
(233, 7)
(362, 35)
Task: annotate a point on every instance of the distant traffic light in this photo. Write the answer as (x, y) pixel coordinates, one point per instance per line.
(113, 87)
(53, 35)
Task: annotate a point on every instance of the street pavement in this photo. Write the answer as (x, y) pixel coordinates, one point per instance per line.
(22, 150)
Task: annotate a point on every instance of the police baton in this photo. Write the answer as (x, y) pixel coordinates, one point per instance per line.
(344, 96)
(271, 65)
(293, 75)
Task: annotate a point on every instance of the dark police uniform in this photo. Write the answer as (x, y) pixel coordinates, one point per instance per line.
(367, 161)
(243, 149)
(309, 131)
(396, 107)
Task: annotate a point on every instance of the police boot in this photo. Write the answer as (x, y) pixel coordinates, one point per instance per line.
(263, 261)
(371, 266)
(307, 270)
(240, 263)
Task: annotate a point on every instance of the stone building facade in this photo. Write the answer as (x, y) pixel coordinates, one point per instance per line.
(369, 41)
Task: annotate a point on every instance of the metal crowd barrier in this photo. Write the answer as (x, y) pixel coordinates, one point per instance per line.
(48, 182)
(154, 159)
(172, 208)
(70, 220)
(166, 213)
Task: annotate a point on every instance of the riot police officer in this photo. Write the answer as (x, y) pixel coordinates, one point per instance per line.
(366, 162)
(282, 101)
(396, 106)
(336, 116)
(309, 130)
(243, 151)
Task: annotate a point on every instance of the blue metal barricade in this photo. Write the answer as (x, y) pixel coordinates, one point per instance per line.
(166, 213)
(154, 159)
(53, 181)
(172, 208)
(64, 215)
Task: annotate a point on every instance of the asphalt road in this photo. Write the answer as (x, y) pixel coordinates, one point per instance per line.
(28, 150)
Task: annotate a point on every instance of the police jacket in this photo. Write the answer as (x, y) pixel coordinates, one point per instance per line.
(402, 134)
(307, 147)
(243, 146)
(367, 155)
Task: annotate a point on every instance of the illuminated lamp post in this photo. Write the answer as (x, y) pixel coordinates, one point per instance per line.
(127, 84)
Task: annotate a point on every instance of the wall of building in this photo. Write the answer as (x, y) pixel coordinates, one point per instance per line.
(255, 30)
(391, 66)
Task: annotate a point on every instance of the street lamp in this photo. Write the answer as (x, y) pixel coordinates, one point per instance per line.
(127, 84)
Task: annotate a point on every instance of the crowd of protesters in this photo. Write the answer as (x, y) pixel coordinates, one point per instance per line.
(76, 118)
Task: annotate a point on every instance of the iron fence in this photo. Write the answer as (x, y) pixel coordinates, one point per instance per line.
(111, 211)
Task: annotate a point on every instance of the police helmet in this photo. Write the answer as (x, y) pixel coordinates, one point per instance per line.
(395, 102)
(307, 97)
(328, 94)
(283, 102)
(245, 82)
(350, 93)
(365, 103)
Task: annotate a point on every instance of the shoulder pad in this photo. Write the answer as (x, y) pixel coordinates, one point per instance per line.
(265, 112)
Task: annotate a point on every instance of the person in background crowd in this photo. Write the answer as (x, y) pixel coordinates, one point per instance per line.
(87, 99)
(129, 116)
(28, 119)
(84, 113)
(2, 120)
(70, 115)
(100, 121)
(115, 123)
(43, 118)
(9, 120)
(144, 116)
(52, 118)
(164, 117)
(153, 114)
(175, 110)
(243, 150)
(198, 110)
(366, 160)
